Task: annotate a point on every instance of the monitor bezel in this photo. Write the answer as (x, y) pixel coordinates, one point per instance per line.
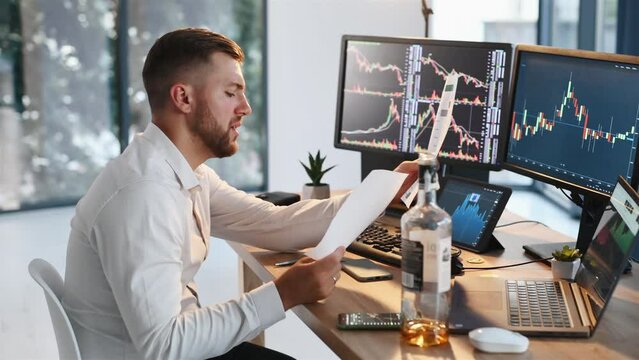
(504, 122)
(534, 174)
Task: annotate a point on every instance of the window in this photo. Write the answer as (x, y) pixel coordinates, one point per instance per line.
(242, 21)
(59, 122)
(565, 21)
(606, 31)
(510, 21)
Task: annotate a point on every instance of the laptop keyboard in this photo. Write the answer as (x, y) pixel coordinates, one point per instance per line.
(536, 304)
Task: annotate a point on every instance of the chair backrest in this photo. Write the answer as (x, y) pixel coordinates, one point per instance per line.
(49, 279)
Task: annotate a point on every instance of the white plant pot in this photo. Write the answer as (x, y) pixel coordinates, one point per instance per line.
(322, 191)
(564, 269)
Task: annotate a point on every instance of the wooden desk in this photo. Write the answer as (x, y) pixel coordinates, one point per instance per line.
(617, 336)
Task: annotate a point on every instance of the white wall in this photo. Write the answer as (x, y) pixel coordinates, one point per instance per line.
(303, 63)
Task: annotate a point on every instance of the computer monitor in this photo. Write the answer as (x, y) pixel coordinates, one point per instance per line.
(573, 123)
(390, 89)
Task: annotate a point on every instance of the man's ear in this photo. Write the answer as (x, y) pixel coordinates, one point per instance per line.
(182, 97)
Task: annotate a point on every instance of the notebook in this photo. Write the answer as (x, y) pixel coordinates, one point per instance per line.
(566, 309)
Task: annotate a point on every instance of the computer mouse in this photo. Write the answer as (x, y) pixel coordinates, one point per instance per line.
(498, 340)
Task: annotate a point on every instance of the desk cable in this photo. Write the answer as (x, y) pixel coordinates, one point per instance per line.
(521, 222)
(505, 266)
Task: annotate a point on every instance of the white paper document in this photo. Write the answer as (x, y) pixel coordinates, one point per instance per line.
(444, 114)
(362, 206)
(440, 128)
(409, 195)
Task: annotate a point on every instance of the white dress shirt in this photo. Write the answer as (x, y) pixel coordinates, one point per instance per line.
(135, 246)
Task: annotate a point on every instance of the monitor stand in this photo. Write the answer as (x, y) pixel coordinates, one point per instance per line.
(375, 160)
(465, 172)
(591, 212)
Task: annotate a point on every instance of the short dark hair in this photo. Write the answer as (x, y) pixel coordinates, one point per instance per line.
(178, 51)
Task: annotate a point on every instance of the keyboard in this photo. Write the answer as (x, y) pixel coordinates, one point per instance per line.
(382, 241)
(379, 242)
(536, 303)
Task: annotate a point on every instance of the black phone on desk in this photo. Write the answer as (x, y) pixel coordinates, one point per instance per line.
(369, 321)
(365, 270)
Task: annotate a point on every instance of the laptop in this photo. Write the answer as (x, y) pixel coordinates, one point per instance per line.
(549, 307)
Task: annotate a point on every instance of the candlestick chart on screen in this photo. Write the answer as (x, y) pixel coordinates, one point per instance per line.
(573, 119)
(391, 93)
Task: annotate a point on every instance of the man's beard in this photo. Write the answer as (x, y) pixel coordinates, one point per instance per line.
(213, 135)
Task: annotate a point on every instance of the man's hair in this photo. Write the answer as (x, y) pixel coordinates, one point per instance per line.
(178, 52)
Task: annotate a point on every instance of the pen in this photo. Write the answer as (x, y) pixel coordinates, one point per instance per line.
(286, 262)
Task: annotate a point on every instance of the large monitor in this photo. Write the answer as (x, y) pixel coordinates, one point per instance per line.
(574, 122)
(390, 90)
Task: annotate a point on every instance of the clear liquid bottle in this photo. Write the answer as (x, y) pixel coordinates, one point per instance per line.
(426, 256)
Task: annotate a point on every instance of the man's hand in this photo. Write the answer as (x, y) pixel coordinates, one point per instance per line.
(408, 167)
(308, 280)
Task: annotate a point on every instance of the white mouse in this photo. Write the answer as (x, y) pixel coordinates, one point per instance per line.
(498, 340)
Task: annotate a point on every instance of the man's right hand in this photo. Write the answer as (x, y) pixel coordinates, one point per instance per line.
(309, 280)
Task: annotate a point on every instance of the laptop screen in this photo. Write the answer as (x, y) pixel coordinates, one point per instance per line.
(605, 258)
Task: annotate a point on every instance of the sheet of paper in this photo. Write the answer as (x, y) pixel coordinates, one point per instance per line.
(444, 113)
(362, 206)
(409, 195)
(440, 129)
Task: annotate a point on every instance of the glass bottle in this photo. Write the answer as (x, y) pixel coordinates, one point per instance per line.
(426, 256)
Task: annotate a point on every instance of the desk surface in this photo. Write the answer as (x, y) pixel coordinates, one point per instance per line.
(616, 337)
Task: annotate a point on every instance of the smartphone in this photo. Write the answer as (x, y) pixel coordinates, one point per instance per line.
(369, 321)
(365, 270)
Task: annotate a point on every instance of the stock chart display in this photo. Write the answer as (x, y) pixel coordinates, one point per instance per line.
(470, 207)
(575, 119)
(391, 92)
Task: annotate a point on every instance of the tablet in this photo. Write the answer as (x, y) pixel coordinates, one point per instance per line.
(475, 208)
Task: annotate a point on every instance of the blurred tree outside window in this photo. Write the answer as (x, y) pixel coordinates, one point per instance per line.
(242, 21)
(59, 122)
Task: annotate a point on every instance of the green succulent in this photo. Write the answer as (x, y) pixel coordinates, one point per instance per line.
(566, 254)
(314, 168)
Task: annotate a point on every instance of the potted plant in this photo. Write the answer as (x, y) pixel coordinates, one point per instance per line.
(565, 263)
(316, 189)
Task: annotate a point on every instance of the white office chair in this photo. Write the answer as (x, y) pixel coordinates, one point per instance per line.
(51, 282)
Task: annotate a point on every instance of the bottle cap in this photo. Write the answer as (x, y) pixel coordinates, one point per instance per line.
(427, 162)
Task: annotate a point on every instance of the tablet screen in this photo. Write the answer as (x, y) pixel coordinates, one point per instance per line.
(475, 208)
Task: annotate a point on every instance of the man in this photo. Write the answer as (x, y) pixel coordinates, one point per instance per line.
(141, 232)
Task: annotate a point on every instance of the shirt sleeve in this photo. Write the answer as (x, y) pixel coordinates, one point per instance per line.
(140, 239)
(240, 217)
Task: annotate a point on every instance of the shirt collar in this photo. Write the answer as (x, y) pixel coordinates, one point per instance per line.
(187, 177)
